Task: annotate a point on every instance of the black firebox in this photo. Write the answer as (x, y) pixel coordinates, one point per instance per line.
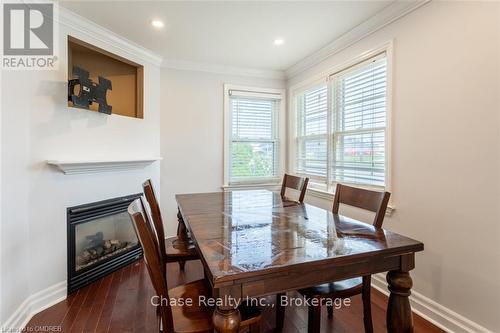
(101, 239)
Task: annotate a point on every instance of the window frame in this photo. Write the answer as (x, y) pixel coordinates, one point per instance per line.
(323, 78)
(280, 137)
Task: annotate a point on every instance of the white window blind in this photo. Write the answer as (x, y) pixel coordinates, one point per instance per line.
(341, 127)
(254, 144)
(312, 110)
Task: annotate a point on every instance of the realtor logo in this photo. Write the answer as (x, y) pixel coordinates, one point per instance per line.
(28, 29)
(28, 36)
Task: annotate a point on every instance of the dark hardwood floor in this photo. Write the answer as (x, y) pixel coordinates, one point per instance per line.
(120, 302)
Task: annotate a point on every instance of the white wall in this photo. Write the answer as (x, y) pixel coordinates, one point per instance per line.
(37, 126)
(192, 133)
(446, 149)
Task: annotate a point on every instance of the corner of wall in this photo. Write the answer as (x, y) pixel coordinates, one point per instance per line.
(34, 304)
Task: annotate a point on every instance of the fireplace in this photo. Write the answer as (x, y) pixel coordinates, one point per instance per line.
(101, 239)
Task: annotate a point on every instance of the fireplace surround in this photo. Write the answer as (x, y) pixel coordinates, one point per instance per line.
(101, 239)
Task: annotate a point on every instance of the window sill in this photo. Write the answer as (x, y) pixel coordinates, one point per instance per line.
(329, 196)
(266, 186)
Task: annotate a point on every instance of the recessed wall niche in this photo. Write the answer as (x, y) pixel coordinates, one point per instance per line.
(127, 77)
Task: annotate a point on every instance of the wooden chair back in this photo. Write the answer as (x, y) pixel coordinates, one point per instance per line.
(296, 183)
(365, 199)
(153, 259)
(149, 193)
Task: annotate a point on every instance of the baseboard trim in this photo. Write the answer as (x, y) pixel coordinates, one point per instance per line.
(34, 304)
(433, 312)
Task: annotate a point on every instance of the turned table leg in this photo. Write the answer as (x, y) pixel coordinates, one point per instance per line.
(226, 319)
(399, 315)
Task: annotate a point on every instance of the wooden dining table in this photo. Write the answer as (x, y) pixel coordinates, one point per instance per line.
(252, 244)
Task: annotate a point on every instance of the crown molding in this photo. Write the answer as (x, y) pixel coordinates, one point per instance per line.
(386, 16)
(87, 27)
(222, 69)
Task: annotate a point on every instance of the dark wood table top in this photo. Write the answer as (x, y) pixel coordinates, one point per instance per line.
(244, 234)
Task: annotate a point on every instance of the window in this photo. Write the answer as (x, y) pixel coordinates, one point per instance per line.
(312, 139)
(341, 127)
(252, 135)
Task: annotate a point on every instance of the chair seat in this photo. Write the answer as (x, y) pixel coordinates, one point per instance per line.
(287, 202)
(195, 318)
(176, 249)
(198, 318)
(344, 288)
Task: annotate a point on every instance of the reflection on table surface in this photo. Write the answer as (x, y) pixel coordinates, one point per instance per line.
(244, 231)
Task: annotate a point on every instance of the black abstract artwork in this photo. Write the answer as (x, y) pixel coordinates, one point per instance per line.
(90, 92)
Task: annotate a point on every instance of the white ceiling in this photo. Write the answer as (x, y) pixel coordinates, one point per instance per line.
(235, 33)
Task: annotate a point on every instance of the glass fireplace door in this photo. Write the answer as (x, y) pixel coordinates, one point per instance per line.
(103, 238)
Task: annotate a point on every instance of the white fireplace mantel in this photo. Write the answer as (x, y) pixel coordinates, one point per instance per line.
(69, 167)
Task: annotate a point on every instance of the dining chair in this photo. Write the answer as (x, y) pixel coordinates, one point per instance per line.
(298, 184)
(295, 183)
(174, 249)
(179, 318)
(361, 198)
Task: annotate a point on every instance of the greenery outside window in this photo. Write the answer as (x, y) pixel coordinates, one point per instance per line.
(252, 135)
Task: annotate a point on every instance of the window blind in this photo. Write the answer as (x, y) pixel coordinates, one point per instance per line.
(254, 138)
(359, 104)
(341, 126)
(312, 110)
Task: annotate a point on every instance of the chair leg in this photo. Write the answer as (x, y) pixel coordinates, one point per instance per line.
(280, 312)
(329, 309)
(182, 264)
(367, 310)
(314, 319)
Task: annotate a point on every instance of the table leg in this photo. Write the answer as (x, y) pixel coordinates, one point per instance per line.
(226, 319)
(181, 228)
(399, 315)
(182, 241)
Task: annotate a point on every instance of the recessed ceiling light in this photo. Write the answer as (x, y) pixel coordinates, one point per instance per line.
(279, 41)
(157, 24)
